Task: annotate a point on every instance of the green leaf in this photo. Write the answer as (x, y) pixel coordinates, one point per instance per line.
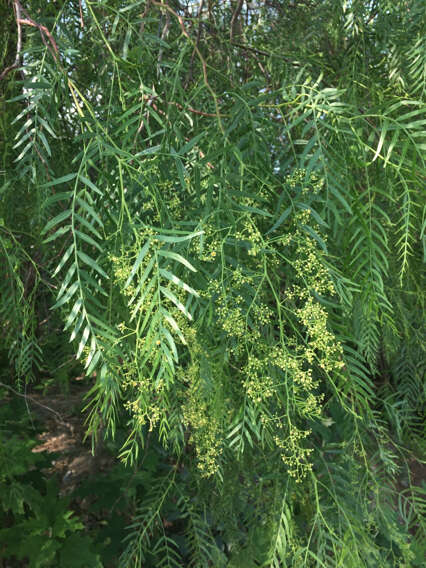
(89, 209)
(90, 184)
(90, 262)
(58, 181)
(141, 255)
(64, 259)
(88, 239)
(176, 302)
(177, 281)
(280, 220)
(73, 313)
(67, 296)
(83, 341)
(177, 257)
(178, 238)
(56, 220)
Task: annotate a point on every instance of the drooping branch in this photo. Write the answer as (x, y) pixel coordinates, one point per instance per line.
(28, 21)
(179, 18)
(15, 64)
(44, 32)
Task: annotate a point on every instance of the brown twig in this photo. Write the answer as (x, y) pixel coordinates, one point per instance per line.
(15, 64)
(150, 100)
(144, 15)
(193, 110)
(81, 14)
(28, 21)
(53, 48)
(234, 19)
(198, 52)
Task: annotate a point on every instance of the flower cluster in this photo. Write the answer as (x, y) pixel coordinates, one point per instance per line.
(257, 382)
(294, 455)
(204, 427)
(251, 234)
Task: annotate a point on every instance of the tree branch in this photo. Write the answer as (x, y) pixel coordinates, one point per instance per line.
(15, 64)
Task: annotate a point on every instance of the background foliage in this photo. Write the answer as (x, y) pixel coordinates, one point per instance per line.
(221, 204)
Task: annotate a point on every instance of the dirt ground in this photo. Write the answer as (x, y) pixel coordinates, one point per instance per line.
(63, 434)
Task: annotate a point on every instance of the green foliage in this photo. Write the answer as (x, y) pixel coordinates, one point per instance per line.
(36, 527)
(224, 205)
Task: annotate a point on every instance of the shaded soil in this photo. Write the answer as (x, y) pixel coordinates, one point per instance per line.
(63, 434)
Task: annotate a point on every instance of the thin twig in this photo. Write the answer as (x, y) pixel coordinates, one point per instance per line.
(43, 31)
(197, 43)
(163, 37)
(234, 19)
(15, 64)
(144, 15)
(200, 56)
(151, 102)
(28, 21)
(27, 397)
(81, 14)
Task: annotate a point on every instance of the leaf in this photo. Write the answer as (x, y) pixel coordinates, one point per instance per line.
(60, 180)
(88, 240)
(77, 327)
(178, 238)
(176, 256)
(89, 209)
(141, 255)
(67, 296)
(83, 341)
(73, 313)
(56, 220)
(381, 140)
(90, 184)
(90, 262)
(173, 325)
(190, 144)
(177, 281)
(176, 302)
(280, 220)
(61, 231)
(88, 226)
(141, 282)
(64, 259)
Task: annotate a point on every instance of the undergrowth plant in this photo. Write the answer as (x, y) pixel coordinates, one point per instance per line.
(224, 204)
